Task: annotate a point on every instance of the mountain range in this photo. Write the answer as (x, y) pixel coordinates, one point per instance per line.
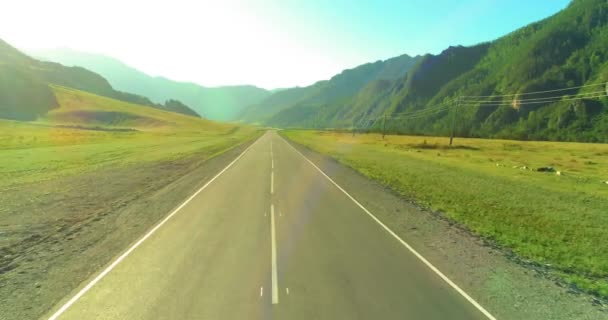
(219, 103)
(425, 95)
(546, 80)
(26, 93)
(282, 104)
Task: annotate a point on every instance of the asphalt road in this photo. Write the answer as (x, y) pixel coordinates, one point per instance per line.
(271, 237)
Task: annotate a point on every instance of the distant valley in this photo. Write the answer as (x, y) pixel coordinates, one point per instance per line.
(220, 103)
(405, 95)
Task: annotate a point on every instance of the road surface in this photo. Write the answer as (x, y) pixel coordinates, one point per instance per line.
(271, 237)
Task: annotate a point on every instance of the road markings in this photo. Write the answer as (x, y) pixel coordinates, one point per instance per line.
(287, 290)
(405, 244)
(140, 241)
(271, 182)
(271, 155)
(275, 284)
(261, 291)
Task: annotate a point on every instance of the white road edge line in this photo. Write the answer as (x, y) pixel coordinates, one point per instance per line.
(140, 241)
(287, 290)
(261, 291)
(275, 284)
(405, 244)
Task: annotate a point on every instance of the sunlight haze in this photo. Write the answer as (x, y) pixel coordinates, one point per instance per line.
(304, 159)
(271, 44)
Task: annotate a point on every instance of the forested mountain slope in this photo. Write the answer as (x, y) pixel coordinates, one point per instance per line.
(306, 101)
(217, 103)
(25, 92)
(569, 49)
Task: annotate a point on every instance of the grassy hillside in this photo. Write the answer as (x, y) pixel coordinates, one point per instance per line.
(25, 83)
(82, 183)
(288, 107)
(219, 103)
(78, 108)
(566, 50)
(555, 223)
(96, 125)
(22, 95)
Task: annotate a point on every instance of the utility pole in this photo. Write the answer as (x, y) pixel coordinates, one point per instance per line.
(454, 121)
(383, 125)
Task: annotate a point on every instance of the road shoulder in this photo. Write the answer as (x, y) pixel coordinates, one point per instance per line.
(505, 288)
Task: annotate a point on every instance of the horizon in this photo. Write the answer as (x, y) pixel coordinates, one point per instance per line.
(282, 47)
(142, 180)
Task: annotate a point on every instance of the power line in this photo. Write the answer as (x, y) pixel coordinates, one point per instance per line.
(422, 115)
(425, 110)
(419, 113)
(541, 99)
(468, 101)
(518, 103)
(537, 92)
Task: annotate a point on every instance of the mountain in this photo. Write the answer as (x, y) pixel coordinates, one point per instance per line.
(569, 49)
(566, 50)
(25, 93)
(308, 100)
(219, 103)
(84, 110)
(23, 96)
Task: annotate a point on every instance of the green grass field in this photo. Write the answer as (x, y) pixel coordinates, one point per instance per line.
(557, 222)
(81, 183)
(89, 132)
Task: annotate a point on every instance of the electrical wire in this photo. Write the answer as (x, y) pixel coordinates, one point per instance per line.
(423, 111)
(541, 99)
(518, 103)
(467, 101)
(420, 116)
(537, 92)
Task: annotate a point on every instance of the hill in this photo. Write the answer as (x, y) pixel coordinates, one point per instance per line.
(87, 179)
(306, 101)
(566, 50)
(26, 95)
(219, 103)
(85, 110)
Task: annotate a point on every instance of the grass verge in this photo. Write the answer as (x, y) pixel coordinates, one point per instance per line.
(550, 221)
(76, 188)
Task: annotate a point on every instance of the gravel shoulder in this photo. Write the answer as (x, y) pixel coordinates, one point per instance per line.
(491, 275)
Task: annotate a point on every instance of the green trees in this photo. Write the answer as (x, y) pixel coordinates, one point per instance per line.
(569, 49)
(22, 95)
(25, 92)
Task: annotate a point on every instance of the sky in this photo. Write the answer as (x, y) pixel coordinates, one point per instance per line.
(267, 43)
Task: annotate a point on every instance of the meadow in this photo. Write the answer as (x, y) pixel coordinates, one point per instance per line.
(88, 178)
(89, 132)
(551, 221)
